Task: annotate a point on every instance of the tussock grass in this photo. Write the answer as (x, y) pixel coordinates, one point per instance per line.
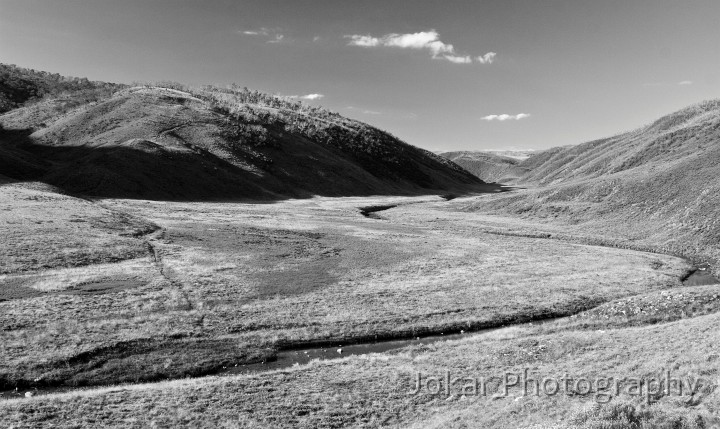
(369, 391)
(266, 276)
(43, 229)
(655, 307)
(69, 278)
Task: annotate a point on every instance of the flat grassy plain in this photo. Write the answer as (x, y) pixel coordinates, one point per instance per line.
(232, 283)
(214, 285)
(44, 229)
(376, 390)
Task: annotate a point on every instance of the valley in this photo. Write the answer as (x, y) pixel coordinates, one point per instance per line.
(221, 257)
(225, 284)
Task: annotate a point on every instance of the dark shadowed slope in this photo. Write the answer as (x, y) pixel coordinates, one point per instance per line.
(176, 143)
(656, 185)
(490, 166)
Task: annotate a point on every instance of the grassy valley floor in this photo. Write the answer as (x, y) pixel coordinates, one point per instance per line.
(222, 284)
(377, 390)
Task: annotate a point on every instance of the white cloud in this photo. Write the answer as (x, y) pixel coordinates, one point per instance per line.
(364, 41)
(274, 33)
(261, 32)
(427, 40)
(505, 117)
(458, 59)
(666, 84)
(488, 58)
(312, 96)
(422, 40)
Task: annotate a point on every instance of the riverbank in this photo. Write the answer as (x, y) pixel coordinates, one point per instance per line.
(381, 390)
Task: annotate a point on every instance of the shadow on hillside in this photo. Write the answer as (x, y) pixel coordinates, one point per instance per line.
(156, 174)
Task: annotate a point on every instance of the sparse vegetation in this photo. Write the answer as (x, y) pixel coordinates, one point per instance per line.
(371, 391)
(44, 230)
(232, 143)
(248, 275)
(19, 86)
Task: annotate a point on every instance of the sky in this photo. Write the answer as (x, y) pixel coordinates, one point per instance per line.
(442, 75)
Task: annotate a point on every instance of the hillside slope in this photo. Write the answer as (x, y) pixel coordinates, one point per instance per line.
(175, 143)
(20, 85)
(489, 166)
(684, 135)
(656, 186)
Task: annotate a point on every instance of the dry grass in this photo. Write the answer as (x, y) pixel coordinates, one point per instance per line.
(651, 308)
(229, 283)
(64, 279)
(253, 278)
(43, 229)
(371, 391)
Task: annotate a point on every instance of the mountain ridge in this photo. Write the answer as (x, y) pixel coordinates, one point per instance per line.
(170, 141)
(490, 166)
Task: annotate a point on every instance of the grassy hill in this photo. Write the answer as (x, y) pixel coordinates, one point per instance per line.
(681, 136)
(655, 186)
(495, 167)
(173, 142)
(19, 86)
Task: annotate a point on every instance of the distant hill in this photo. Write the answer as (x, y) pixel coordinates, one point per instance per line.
(172, 142)
(491, 166)
(520, 155)
(657, 184)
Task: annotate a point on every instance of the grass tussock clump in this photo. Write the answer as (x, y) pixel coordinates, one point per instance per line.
(644, 309)
(634, 416)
